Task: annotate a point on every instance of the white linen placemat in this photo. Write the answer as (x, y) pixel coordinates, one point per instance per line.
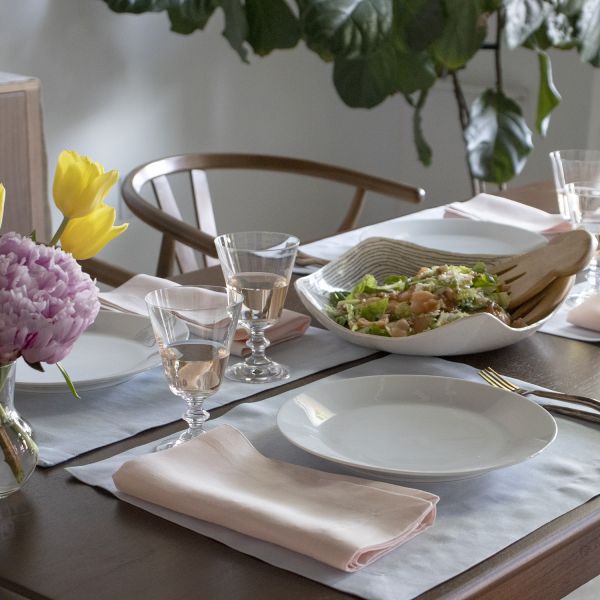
(65, 427)
(476, 517)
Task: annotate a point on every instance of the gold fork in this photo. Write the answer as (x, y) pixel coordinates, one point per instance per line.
(496, 380)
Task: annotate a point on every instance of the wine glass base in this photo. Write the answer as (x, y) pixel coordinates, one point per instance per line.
(182, 439)
(257, 374)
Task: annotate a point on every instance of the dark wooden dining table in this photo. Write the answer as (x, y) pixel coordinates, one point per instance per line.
(61, 539)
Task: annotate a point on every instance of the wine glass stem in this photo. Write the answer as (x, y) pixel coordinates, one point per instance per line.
(258, 343)
(194, 416)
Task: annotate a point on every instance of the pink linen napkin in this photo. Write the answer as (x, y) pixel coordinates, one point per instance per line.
(586, 314)
(129, 297)
(219, 477)
(485, 207)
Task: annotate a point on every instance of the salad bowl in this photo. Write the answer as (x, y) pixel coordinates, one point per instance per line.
(382, 257)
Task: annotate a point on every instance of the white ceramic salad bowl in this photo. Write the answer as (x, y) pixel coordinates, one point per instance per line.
(382, 257)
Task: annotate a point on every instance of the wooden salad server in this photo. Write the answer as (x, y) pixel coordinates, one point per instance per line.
(526, 275)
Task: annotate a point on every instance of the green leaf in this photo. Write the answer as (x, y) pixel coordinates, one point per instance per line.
(423, 148)
(138, 6)
(589, 30)
(187, 16)
(346, 28)
(548, 96)
(64, 373)
(271, 25)
(413, 71)
(366, 82)
(420, 22)
(463, 33)
(35, 365)
(497, 137)
(236, 26)
(523, 17)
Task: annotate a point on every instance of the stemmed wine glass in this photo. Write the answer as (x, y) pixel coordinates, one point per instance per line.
(194, 327)
(583, 201)
(258, 264)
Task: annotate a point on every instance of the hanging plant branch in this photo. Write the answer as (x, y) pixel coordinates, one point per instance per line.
(380, 48)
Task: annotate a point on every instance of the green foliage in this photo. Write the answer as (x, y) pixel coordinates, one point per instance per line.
(380, 48)
(498, 139)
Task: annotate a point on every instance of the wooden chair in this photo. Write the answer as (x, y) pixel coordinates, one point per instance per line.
(180, 240)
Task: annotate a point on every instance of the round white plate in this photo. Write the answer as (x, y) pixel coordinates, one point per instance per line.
(113, 349)
(459, 235)
(416, 427)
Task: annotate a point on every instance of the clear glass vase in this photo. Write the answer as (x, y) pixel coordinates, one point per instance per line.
(18, 451)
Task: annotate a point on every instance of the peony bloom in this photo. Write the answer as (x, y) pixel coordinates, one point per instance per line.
(80, 184)
(46, 301)
(85, 237)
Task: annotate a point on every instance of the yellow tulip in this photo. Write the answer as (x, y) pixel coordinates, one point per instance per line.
(2, 195)
(86, 236)
(80, 184)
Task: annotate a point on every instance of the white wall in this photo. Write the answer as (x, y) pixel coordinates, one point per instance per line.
(124, 90)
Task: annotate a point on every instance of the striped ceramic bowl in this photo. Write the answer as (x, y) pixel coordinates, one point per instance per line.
(381, 257)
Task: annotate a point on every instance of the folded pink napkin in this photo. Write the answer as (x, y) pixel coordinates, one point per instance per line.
(586, 314)
(129, 297)
(485, 207)
(343, 521)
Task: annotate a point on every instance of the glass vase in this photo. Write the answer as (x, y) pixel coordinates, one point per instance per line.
(18, 451)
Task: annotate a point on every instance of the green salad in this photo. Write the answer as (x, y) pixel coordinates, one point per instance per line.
(401, 306)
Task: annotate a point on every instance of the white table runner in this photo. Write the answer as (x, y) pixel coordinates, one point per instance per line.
(476, 517)
(65, 427)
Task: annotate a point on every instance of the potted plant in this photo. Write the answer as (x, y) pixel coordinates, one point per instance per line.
(379, 48)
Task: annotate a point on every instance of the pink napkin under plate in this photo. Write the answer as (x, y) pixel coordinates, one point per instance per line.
(343, 521)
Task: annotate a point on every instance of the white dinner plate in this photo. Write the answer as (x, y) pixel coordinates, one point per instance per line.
(459, 235)
(416, 427)
(113, 349)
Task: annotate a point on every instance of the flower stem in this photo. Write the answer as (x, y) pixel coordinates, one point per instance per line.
(59, 232)
(7, 446)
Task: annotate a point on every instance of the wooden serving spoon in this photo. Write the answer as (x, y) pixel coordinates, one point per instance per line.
(544, 302)
(526, 275)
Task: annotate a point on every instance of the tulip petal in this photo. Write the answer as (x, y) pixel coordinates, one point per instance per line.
(80, 184)
(2, 196)
(86, 236)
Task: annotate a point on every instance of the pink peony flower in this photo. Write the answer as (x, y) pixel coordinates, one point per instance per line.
(46, 301)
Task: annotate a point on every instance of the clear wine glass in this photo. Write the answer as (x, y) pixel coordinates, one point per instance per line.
(194, 327)
(583, 200)
(258, 264)
(571, 166)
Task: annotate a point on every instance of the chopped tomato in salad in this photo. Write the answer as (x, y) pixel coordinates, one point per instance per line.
(435, 296)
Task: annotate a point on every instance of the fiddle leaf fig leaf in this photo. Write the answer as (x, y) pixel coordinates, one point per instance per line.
(423, 148)
(589, 30)
(413, 71)
(346, 28)
(187, 16)
(236, 26)
(523, 18)
(463, 33)
(548, 96)
(138, 6)
(421, 22)
(497, 137)
(366, 82)
(271, 25)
